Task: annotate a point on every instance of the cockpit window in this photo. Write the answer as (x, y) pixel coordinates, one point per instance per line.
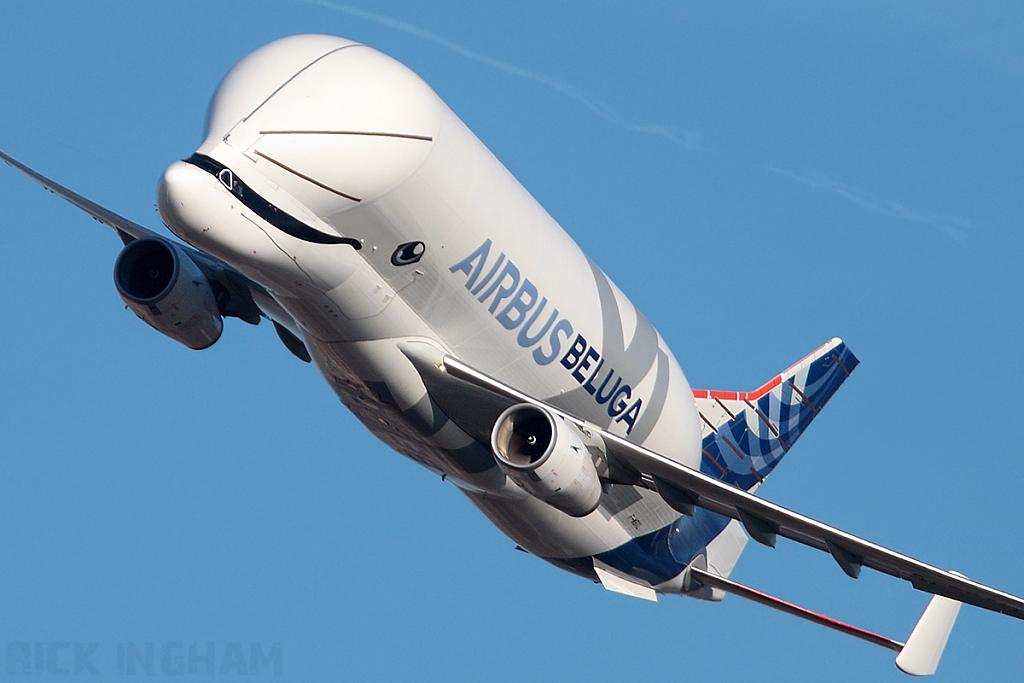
(227, 179)
(264, 209)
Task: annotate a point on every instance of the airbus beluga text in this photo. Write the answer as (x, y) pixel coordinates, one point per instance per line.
(336, 196)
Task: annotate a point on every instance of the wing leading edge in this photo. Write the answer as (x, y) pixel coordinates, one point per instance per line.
(127, 230)
(683, 487)
(234, 291)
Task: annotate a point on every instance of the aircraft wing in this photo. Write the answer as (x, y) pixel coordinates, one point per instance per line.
(127, 230)
(683, 487)
(235, 293)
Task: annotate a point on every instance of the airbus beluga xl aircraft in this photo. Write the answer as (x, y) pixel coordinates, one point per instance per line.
(336, 196)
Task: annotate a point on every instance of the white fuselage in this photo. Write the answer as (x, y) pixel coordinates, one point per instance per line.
(455, 253)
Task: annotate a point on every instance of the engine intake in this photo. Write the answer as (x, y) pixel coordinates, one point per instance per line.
(165, 288)
(544, 455)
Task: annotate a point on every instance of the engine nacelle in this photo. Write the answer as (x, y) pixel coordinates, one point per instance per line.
(160, 282)
(545, 456)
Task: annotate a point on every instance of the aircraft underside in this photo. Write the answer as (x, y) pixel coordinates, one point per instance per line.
(633, 530)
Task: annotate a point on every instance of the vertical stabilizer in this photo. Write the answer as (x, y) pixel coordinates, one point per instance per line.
(746, 433)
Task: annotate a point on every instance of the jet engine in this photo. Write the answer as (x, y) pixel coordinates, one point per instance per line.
(545, 456)
(160, 282)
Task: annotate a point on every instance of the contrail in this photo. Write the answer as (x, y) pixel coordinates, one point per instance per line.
(686, 139)
(957, 228)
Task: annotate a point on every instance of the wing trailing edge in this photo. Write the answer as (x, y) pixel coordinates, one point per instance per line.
(769, 520)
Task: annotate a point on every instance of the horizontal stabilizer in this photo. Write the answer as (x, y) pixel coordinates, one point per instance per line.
(616, 583)
(706, 578)
(920, 656)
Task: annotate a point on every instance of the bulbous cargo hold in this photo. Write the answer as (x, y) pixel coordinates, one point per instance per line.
(166, 289)
(359, 149)
(333, 123)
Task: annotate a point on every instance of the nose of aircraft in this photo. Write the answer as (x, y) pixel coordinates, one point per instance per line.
(198, 207)
(199, 210)
(178, 186)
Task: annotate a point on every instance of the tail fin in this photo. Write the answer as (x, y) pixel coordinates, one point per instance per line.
(746, 434)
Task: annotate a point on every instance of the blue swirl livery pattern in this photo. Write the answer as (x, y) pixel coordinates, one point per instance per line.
(746, 433)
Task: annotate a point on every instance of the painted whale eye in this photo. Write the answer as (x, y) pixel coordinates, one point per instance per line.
(227, 178)
(407, 253)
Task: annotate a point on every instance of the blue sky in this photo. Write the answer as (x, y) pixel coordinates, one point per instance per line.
(757, 177)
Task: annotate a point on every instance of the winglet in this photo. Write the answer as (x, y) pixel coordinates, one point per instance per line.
(920, 656)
